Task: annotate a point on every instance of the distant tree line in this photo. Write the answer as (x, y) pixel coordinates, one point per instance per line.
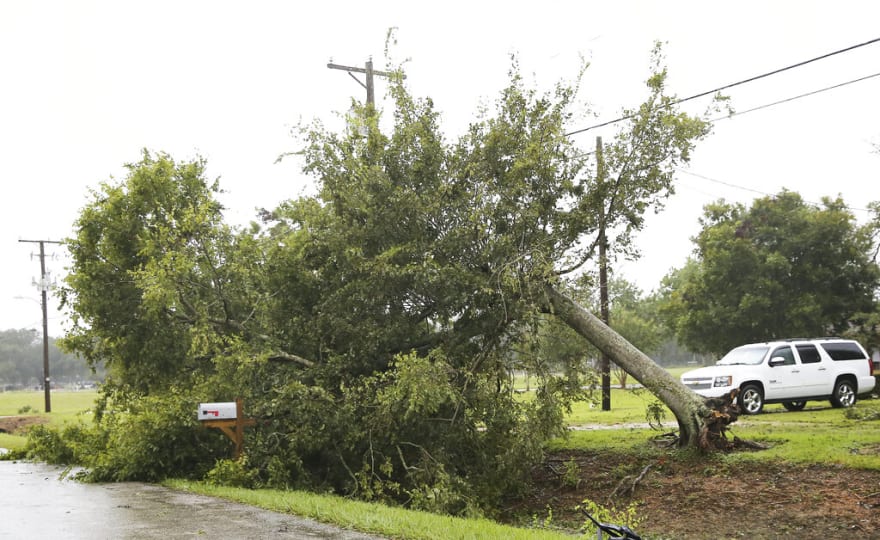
(21, 362)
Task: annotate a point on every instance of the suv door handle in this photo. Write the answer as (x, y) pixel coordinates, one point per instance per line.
(823, 369)
(795, 371)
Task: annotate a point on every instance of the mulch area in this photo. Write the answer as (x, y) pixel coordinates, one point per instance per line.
(16, 425)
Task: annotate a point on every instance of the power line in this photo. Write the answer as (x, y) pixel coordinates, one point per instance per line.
(768, 105)
(728, 184)
(731, 85)
(786, 100)
(759, 192)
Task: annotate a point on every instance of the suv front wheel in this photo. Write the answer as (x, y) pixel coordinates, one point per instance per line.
(844, 394)
(751, 399)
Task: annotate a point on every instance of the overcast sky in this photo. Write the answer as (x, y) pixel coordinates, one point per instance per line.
(87, 84)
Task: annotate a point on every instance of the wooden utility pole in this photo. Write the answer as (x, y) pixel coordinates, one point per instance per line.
(44, 287)
(605, 363)
(369, 72)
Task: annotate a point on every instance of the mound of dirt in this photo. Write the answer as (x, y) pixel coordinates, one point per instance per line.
(707, 499)
(16, 425)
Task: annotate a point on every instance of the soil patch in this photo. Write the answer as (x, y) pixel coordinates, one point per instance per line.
(704, 499)
(16, 425)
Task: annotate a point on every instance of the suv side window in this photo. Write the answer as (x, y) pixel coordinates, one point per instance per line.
(808, 353)
(784, 352)
(843, 351)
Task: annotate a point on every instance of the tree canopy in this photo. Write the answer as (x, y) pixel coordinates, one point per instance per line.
(781, 268)
(372, 327)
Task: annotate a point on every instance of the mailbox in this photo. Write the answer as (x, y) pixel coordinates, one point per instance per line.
(217, 411)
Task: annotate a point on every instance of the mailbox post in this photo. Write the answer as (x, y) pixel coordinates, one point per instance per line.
(228, 418)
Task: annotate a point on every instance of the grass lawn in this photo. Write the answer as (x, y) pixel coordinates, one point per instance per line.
(67, 406)
(627, 407)
(820, 434)
(366, 517)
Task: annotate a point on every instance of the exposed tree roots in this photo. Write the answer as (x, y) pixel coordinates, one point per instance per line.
(721, 413)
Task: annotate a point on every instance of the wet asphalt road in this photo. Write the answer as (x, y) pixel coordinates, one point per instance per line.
(36, 504)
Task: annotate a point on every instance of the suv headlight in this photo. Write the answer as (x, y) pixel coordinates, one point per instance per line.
(724, 380)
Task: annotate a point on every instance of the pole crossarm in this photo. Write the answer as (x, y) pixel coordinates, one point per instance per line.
(369, 72)
(352, 69)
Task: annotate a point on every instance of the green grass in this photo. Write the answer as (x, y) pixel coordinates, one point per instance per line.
(65, 404)
(678, 370)
(627, 407)
(819, 434)
(523, 382)
(628, 440)
(371, 518)
(11, 442)
(66, 407)
(844, 442)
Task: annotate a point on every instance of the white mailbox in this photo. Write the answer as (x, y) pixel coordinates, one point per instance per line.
(217, 411)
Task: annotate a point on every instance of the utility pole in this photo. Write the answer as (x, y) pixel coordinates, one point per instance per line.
(605, 362)
(44, 287)
(369, 72)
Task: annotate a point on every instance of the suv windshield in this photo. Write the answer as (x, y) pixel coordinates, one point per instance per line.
(748, 355)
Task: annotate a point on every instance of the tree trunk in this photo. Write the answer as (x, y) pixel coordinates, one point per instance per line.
(689, 408)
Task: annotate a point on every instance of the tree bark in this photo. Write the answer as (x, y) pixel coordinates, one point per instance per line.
(689, 408)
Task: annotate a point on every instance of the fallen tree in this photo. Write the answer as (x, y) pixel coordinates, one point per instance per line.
(702, 423)
(373, 326)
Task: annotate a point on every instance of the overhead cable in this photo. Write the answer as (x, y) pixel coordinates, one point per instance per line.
(735, 186)
(781, 101)
(731, 85)
(786, 100)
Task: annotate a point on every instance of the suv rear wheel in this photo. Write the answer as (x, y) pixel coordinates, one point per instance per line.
(844, 394)
(751, 399)
(794, 405)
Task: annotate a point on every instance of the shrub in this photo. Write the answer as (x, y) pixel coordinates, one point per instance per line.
(232, 473)
(158, 437)
(48, 444)
(627, 517)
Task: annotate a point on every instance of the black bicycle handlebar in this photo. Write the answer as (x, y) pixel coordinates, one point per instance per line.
(621, 532)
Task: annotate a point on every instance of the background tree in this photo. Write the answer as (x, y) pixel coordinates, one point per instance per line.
(21, 357)
(781, 268)
(865, 325)
(21, 361)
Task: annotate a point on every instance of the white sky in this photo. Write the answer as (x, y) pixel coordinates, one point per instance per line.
(87, 84)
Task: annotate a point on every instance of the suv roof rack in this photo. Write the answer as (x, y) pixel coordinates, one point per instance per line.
(810, 339)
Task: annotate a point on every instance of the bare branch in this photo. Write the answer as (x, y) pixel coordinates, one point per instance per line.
(281, 355)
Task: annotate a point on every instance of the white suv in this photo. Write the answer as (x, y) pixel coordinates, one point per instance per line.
(790, 372)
